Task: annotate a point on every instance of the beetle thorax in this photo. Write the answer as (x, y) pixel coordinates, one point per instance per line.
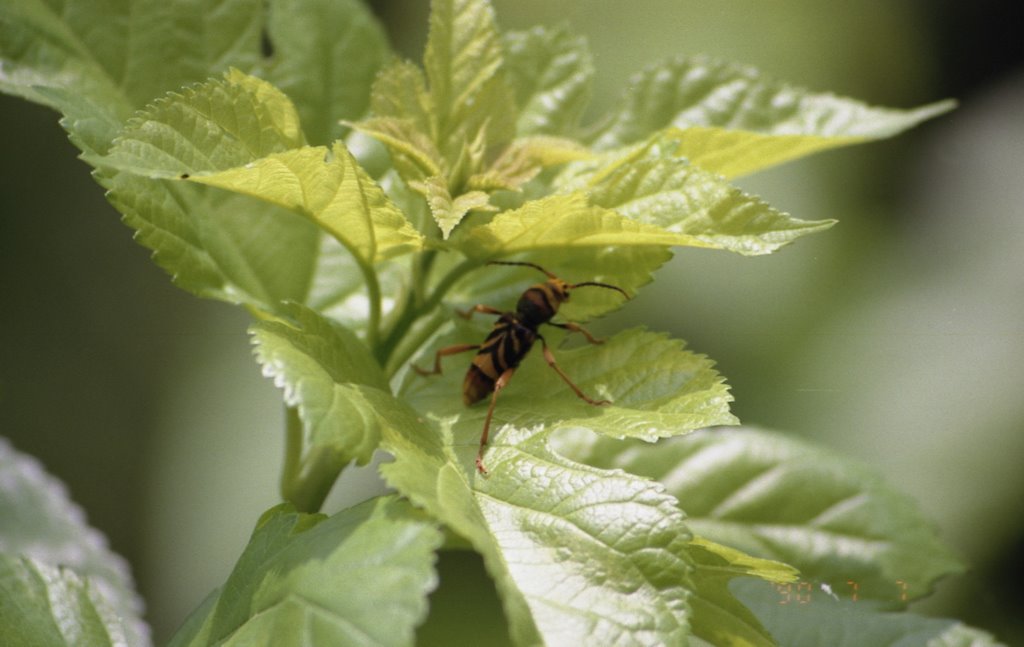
(540, 303)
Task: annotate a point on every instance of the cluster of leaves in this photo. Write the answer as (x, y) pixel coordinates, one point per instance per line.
(346, 198)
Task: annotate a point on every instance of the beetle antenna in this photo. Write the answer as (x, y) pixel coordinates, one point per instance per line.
(525, 264)
(600, 285)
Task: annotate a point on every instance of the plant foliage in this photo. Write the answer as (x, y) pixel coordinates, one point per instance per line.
(349, 201)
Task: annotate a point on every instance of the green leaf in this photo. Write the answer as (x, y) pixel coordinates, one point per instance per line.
(656, 387)
(560, 222)
(523, 159)
(67, 580)
(446, 129)
(222, 123)
(341, 394)
(134, 44)
(488, 124)
(98, 62)
(400, 92)
(780, 498)
(446, 210)
(655, 186)
(403, 120)
(462, 56)
(214, 243)
(732, 153)
(43, 49)
(580, 556)
(221, 246)
(729, 562)
(360, 577)
(331, 189)
(551, 71)
(718, 617)
(706, 93)
(326, 54)
(817, 618)
(189, 630)
(46, 604)
(413, 154)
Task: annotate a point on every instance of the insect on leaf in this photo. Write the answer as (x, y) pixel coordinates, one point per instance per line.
(657, 388)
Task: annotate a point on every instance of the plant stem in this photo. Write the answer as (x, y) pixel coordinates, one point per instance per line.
(373, 293)
(406, 312)
(414, 308)
(404, 350)
(306, 488)
(420, 272)
(292, 450)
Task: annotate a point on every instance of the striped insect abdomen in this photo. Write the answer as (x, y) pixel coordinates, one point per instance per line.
(506, 345)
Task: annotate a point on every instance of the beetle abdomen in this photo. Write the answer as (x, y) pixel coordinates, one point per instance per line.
(476, 386)
(506, 345)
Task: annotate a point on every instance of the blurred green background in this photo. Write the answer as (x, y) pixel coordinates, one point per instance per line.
(896, 337)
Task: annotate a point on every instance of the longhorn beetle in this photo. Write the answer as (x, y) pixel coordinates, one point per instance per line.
(510, 340)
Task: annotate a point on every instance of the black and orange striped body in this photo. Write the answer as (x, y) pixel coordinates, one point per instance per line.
(510, 341)
(506, 345)
(540, 302)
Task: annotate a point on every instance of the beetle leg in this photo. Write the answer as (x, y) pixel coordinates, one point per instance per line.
(549, 357)
(487, 310)
(444, 352)
(571, 327)
(499, 384)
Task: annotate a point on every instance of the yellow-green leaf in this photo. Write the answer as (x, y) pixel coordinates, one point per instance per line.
(403, 120)
(400, 91)
(412, 151)
(524, 158)
(718, 616)
(214, 126)
(732, 153)
(214, 243)
(446, 210)
(462, 55)
(564, 221)
(655, 385)
(736, 563)
(657, 187)
(699, 91)
(331, 189)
